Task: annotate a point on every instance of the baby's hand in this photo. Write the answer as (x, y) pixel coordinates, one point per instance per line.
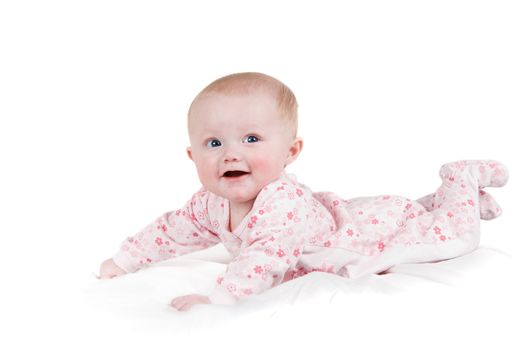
(110, 270)
(185, 302)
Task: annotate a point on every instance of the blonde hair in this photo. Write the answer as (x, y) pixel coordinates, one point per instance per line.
(249, 82)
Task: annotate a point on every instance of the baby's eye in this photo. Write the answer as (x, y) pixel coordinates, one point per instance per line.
(213, 143)
(251, 139)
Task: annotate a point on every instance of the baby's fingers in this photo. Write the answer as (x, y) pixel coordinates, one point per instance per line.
(179, 303)
(106, 276)
(185, 302)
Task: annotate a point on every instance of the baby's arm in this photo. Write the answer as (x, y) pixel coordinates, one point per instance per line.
(173, 234)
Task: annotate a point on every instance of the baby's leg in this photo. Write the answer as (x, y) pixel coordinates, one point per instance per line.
(456, 205)
(489, 208)
(449, 229)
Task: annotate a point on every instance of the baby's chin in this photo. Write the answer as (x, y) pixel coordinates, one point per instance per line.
(238, 196)
(239, 199)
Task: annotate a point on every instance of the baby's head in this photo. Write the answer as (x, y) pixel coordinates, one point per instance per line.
(245, 122)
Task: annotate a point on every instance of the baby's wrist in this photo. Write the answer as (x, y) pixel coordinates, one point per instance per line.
(222, 297)
(124, 262)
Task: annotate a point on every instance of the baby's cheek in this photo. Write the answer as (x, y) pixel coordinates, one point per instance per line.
(267, 165)
(262, 162)
(204, 171)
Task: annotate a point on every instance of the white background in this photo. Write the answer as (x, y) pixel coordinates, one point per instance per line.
(93, 102)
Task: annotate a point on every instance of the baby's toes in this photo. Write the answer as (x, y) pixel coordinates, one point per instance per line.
(489, 208)
(499, 174)
(489, 173)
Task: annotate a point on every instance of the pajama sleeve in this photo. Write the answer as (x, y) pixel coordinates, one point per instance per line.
(272, 243)
(173, 234)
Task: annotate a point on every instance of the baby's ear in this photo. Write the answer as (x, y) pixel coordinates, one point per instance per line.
(295, 148)
(189, 153)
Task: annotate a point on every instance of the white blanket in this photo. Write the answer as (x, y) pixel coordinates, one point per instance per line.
(470, 301)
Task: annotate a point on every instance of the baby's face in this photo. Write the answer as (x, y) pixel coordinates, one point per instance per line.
(243, 134)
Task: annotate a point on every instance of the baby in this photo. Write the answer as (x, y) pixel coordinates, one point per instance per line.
(243, 134)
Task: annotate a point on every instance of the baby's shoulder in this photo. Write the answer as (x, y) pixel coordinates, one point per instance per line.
(205, 200)
(285, 188)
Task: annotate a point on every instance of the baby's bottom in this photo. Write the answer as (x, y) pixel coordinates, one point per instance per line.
(450, 227)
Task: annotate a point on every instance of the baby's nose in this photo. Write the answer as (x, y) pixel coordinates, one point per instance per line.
(231, 158)
(231, 155)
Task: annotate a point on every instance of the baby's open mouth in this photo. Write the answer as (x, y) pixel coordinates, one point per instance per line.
(235, 173)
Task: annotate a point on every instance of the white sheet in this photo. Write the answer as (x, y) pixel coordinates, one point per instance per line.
(464, 302)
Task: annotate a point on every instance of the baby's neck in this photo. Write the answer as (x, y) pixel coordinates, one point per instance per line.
(237, 212)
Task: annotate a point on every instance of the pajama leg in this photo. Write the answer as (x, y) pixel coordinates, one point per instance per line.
(458, 205)
(449, 227)
(489, 208)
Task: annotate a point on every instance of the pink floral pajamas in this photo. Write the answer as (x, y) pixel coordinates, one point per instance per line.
(292, 231)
